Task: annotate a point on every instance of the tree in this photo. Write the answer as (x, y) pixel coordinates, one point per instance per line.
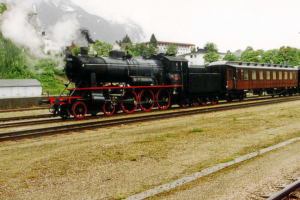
(249, 55)
(270, 56)
(151, 50)
(212, 55)
(153, 41)
(126, 39)
(288, 56)
(140, 49)
(230, 57)
(193, 50)
(211, 47)
(101, 48)
(3, 8)
(172, 49)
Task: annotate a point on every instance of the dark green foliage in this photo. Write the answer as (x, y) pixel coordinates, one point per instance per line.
(151, 50)
(230, 57)
(101, 48)
(140, 49)
(3, 7)
(172, 49)
(249, 55)
(212, 55)
(153, 41)
(126, 39)
(211, 47)
(270, 56)
(288, 56)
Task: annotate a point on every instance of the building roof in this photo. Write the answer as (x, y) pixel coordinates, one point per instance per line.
(252, 65)
(175, 43)
(175, 58)
(19, 83)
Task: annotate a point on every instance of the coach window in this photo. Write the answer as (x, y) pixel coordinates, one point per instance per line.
(253, 74)
(261, 75)
(268, 75)
(280, 75)
(291, 75)
(274, 75)
(285, 76)
(246, 74)
(239, 74)
(230, 73)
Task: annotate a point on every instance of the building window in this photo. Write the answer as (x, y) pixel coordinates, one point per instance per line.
(291, 75)
(195, 56)
(191, 56)
(285, 76)
(268, 73)
(253, 74)
(246, 74)
(280, 75)
(261, 75)
(274, 75)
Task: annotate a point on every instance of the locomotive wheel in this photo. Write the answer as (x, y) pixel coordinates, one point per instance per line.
(214, 101)
(109, 108)
(146, 100)
(163, 99)
(129, 102)
(203, 101)
(195, 104)
(183, 105)
(79, 110)
(63, 111)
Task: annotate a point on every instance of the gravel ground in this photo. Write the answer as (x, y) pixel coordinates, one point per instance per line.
(117, 162)
(249, 180)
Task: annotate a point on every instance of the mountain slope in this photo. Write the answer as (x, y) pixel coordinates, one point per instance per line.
(49, 12)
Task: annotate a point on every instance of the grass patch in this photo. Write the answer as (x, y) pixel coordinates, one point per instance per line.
(225, 160)
(197, 130)
(171, 135)
(143, 141)
(120, 196)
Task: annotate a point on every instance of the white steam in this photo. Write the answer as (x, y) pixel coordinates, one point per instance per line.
(16, 27)
(66, 31)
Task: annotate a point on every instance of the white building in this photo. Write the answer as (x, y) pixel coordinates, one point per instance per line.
(182, 48)
(197, 57)
(10, 88)
(51, 46)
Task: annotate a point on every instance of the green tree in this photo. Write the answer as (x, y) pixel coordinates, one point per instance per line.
(230, 57)
(3, 8)
(153, 40)
(212, 55)
(249, 55)
(288, 56)
(270, 56)
(126, 39)
(101, 48)
(140, 49)
(172, 49)
(151, 50)
(211, 47)
(193, 50)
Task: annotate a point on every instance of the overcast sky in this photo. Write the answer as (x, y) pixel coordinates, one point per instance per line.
(230, 24)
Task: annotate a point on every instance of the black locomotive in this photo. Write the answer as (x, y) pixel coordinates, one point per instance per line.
(123, 82)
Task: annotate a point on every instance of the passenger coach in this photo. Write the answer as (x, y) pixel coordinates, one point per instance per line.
(238, 78)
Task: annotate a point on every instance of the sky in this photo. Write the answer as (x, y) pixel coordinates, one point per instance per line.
(230, 24)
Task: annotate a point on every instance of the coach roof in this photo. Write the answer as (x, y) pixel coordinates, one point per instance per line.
(238, 64)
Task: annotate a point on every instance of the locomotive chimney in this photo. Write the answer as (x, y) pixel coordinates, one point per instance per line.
(84, 51)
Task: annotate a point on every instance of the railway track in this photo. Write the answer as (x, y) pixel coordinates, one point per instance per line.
(22, 109)
(290, 192)
(58, 120)
(134, 119)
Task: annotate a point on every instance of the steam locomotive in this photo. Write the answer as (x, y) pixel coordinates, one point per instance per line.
(122, 82)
